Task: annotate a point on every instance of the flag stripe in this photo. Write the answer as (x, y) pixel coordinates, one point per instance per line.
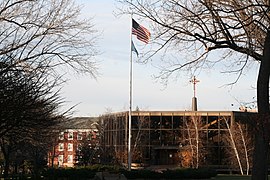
(141, 32)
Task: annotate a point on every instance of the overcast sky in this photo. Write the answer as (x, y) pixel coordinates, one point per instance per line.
(111, 89)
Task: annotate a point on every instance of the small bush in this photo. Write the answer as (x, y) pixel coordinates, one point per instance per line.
(201, 173)
(102, 168)
(90, 171)
(70, 173)
(135, 174)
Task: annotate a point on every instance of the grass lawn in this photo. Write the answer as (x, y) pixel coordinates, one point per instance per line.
(232, 177)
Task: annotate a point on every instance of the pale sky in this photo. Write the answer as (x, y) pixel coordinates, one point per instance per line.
(111, 89)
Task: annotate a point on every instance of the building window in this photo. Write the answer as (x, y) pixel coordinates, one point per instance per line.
(60, 159)
(70, 159)
(89, 136)
(79, 147)
(79, 136)
(61, 136)
(70, 135)
(94, 135)
(61, 146)
(70, 147)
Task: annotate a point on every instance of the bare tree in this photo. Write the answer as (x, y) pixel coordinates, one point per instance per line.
(196, 28)
(139, 138)
(233, 145)
(192, 149)
(29, 112)
(53, 153)
(88, 152)
(239, 139)
(38, 38)
(109, 152)
(246, 144)
(44, 34)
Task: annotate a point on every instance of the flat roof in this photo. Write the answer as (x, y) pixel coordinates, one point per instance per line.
(181, 113)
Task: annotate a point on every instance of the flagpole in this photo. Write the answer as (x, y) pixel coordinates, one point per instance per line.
(143, 35)
(130, 100)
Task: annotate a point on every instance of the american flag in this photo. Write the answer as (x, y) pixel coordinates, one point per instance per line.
(141, 32)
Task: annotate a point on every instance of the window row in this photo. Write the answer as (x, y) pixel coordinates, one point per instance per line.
(171, 122)
(70, 136)
(61, 159)
(61, 147)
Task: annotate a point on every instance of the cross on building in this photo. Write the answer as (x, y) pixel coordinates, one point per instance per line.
(194, 81)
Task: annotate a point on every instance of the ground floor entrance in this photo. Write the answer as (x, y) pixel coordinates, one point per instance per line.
(165, 156)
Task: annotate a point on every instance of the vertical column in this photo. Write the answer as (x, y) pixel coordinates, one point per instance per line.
(194, 81)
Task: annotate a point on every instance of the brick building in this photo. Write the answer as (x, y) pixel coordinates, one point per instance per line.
(67, 144)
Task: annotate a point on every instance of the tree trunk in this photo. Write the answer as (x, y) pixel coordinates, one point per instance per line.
(190, 144)
(195, 122)
(53, 155)
(260, 157)
(6, 167)
(245, 147)
(232, 141)
(7, 161)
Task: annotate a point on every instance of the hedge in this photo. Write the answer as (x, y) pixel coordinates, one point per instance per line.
(90, 171)
(201, 173)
